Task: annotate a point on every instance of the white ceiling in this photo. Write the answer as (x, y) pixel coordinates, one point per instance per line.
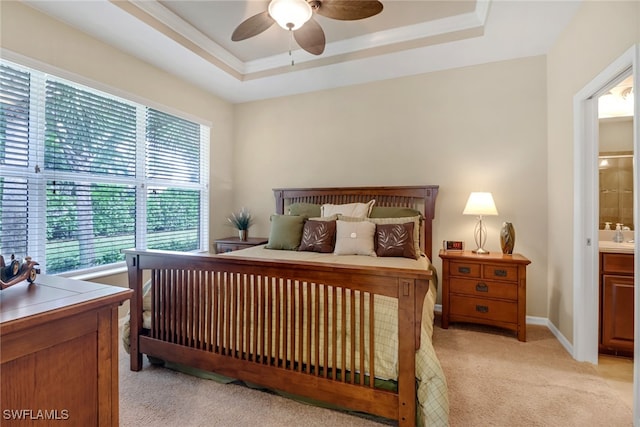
(191, 39)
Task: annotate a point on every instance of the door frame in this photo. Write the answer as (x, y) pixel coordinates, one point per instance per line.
(586, 217)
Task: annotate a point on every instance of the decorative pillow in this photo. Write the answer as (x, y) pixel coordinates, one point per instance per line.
(416, 228)
(286, 232)
(355, 238)
(393, 212)
(395, 240)
(327, 218)
(318, 236)
(360, 210)
(306, 209)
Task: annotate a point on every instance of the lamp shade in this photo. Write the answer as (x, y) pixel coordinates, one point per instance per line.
(290, 14)
(480, 203)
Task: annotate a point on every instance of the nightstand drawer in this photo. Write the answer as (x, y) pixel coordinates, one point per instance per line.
(500, 272)
(484, 288)
(231, 244)
(500, 311)
(227, 247)
(465, 269)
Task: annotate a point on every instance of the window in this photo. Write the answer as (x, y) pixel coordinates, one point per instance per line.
(86, 174)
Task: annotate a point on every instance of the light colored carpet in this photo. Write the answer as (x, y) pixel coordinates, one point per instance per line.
(494, 380)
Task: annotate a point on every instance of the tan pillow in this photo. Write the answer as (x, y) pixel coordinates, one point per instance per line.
(327, 218)
(395, 240)
(359, 210)
(318, 236)
(355, 238)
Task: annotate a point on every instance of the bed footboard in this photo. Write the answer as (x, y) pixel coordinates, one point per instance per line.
(306, 329)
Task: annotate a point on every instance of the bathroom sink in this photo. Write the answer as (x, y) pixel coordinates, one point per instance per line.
(610, 246)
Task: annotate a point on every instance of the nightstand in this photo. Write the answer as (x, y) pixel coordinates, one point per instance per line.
(229, 244)
(489, 289)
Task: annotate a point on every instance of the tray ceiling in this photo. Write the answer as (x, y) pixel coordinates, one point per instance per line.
(191, 39)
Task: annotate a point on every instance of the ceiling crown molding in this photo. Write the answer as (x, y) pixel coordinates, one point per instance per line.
(401, 38)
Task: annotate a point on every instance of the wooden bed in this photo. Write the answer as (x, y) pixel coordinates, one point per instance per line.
(269, 322)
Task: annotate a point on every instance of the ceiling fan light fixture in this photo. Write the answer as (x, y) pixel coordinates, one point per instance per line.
(290, 14)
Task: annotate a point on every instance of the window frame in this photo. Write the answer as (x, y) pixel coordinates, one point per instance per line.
(37, 228)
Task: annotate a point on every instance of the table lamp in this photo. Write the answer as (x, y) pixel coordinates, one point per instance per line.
(480, 204)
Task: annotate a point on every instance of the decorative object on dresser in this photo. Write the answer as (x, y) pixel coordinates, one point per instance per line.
(616, 303)
(229, 244)
(17, 271)
(490, 289)
(60, 352)
(507, 238)
(241, 221)
(480, 204)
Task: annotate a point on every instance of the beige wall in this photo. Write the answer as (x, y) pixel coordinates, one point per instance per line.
(503, 127)
(599, 33)
(36, 36)
(481, 128)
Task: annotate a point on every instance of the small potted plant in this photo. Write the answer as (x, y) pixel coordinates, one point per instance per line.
(241, 221)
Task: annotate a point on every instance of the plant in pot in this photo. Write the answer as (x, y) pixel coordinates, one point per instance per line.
(241, 221)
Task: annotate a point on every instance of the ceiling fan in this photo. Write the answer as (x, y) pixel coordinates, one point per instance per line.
(296, 16)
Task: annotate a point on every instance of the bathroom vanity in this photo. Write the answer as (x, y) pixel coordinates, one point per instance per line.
(616, 298)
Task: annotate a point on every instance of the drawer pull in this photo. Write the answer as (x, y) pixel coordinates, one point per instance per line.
(464, 270)
(482, 287)
(500, 273)
(482, 309)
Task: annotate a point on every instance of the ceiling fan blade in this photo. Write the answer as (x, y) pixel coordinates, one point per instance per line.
(310, 37)
(347, 10)
(252, 26)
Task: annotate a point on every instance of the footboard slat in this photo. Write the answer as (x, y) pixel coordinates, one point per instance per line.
(301, 330)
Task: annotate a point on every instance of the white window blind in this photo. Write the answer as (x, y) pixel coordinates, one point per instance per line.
(101, 172)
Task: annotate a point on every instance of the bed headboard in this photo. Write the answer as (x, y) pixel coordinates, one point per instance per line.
(421, 198)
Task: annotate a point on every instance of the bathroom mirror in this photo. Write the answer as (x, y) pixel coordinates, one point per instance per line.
(615, 164)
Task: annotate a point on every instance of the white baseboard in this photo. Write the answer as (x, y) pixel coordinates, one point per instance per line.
(563, 340)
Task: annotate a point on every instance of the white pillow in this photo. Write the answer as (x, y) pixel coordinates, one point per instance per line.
(355, 238)
(359, 210)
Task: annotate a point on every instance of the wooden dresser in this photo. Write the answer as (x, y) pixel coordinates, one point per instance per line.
(490, 289)
(616, 303)
(59, 358)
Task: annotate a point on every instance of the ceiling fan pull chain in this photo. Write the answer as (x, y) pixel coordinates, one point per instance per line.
(290, 42)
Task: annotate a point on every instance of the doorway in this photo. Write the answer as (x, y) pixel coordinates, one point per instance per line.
(586, 215)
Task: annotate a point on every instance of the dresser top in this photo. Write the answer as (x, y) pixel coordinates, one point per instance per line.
(490, 257)
(49, 294)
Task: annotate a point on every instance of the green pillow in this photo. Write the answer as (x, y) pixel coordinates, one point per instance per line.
(309, 210)
(286, 232)
(393, 212)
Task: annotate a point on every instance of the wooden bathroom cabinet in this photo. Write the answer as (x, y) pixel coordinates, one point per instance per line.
(616, 303)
